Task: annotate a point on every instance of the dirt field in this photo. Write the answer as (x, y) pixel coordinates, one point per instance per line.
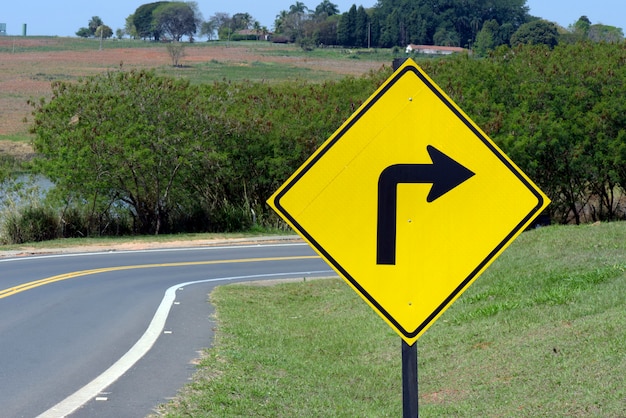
(28, 75)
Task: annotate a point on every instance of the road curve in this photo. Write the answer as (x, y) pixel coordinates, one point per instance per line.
(114, 334)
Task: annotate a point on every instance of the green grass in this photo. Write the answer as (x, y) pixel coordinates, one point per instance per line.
(541, 334)
(19, 44)
(255, 71)
(19, 137)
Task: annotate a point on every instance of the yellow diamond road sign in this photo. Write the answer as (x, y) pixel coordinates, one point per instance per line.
(409, 201)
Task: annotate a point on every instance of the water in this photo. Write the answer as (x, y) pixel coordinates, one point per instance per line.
(23, 190)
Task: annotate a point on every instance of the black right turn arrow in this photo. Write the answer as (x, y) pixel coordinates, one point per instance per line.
(444, 173)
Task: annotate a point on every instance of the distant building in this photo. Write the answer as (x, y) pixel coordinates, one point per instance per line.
(3, 29)
(434, 49)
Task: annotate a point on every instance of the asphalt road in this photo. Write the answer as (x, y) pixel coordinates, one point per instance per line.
(115, 334)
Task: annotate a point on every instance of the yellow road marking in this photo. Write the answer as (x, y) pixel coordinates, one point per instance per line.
(65, 276)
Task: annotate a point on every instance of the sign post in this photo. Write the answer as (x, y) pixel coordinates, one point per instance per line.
(410, 365)
(409, 202)
(410, 385)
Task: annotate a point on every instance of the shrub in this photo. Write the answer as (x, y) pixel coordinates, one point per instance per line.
(31, 224)
(74, 223)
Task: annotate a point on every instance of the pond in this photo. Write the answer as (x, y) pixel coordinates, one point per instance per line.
(23, 190)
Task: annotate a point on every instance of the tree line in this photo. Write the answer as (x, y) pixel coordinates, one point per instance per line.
(473, 24)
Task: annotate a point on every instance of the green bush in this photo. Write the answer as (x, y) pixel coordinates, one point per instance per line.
(31, 224)
(74, 224)
(230, 218)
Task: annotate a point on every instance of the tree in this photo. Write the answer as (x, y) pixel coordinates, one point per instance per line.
(454, 22)
(103, 32)
(176, 50)
(143, 20)
(346, 30)
(279, 21)
(176, 19)
(90, 31)
(486, 38)
(362, 21)
(257, 29)
(583, 30)
(581, 27)
(94, 24)
(83, 32)
(326, 9)
(129, 27)
(298, 8)
(209, 29)
(220, 23)
(446, 36)
(537, 32)
(605, 33)
(242, 21)
(292, 23)
(96, 154)
(177, 157)
(326, 31)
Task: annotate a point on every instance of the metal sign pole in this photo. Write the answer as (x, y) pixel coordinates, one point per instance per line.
(409, 381)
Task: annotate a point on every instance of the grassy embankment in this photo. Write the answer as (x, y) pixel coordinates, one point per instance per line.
(541, 333)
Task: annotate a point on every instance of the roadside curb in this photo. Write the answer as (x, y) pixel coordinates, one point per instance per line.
(140, 246)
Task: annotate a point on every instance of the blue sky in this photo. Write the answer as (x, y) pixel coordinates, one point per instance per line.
(64, 18)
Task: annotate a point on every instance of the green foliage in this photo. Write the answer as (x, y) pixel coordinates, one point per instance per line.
(537, 32)
(31, 224)
(558, 113)
(94, 24)
(83, 32)
(605, 33)
(392, 23)
(143, 20)
(91, 30)
(159, 149)
(456, 24)
(103, 31)
(584, 30)
(121, 138)
(485, 41)
(176, 19)
(144, 153)
(266, 131)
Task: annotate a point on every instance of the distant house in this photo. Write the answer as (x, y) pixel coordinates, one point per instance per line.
(433, 49)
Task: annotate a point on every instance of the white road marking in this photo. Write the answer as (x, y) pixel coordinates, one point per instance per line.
(142, 346)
